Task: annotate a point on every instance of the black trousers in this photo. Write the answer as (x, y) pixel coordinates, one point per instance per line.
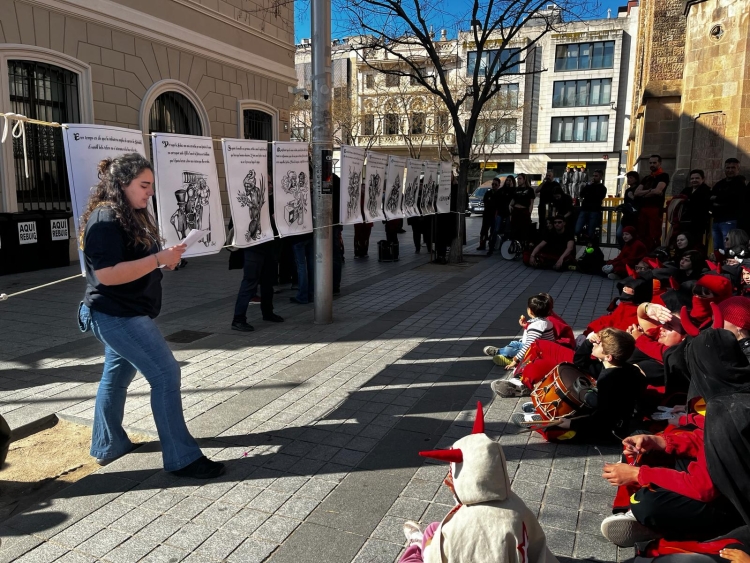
(484, 232)
(392, 228)
(678, 517)
(259, 268)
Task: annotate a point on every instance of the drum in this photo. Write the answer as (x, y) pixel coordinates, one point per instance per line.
(561, 393)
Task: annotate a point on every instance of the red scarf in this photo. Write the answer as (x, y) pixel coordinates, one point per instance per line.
(657, 172)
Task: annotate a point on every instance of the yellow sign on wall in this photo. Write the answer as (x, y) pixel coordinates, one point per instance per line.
(576, 165)
(488, 165)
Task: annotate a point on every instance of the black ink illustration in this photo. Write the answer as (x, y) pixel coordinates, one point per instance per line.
(353, 205)
(427, 194)
(254, 197)
(392, 203)
(193, 210)
(295, 186)
(411, 193)
(373, 196)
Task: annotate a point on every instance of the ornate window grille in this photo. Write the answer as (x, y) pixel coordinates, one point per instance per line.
(48, 93)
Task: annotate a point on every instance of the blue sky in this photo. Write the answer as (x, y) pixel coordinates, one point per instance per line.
(302, 23)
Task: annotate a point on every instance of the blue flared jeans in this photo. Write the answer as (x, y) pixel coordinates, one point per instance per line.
(135, 344)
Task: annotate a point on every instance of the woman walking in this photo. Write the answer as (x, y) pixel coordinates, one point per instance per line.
(121, 248)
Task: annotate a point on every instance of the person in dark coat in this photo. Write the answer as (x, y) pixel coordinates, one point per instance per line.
(697, 215)
(545, 192)
(729, 203)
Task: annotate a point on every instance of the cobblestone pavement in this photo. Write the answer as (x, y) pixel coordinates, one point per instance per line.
(319, 425)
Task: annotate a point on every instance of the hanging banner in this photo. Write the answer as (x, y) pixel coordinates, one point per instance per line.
(429, 188)
(85, 146)
(291, 188)
(352, 162)
(443, 204)
(394, 187)
(246, 167)
(411, 187)
(187, 192)
(375, 184)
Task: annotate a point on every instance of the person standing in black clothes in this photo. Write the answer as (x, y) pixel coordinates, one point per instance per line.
(628, 208)
(562, 204)
(488, 215)
(649, 197)
(696, 216)
(729, 203)
(259, 267)
(545, 192)
(592, 196)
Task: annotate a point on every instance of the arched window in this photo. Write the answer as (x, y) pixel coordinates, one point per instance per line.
(49, 93)
(172, 112)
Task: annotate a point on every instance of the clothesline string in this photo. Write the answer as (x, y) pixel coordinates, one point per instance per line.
(6, 296)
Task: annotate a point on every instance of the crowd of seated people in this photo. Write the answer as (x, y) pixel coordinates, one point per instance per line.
(669, 373)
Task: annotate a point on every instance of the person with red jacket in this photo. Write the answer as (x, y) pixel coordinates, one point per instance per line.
(675, 497)
(633, 251)
(634, 292)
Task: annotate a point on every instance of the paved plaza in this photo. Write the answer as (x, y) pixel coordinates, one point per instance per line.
(319, 426)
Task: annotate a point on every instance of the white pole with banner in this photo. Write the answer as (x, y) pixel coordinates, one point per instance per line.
(443, 202)
(86, 146)
(187, 192)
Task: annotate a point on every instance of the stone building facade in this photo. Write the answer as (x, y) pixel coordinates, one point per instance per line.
(218, 68)
(691, 95)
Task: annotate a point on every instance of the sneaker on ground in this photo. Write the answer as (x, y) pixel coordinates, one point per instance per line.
(625, 531)
(255, 300)
(273, 317)
(490, 351)
(201, 468)
(528, 407)
(501, 361)
(412, 532)
(510, 388)
(242, 326)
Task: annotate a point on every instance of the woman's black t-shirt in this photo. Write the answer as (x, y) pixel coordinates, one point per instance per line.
(523, 196)
(105, 244)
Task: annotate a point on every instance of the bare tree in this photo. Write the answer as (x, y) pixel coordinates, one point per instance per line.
(503, 34)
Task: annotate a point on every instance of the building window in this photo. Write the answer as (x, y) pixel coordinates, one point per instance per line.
(368, 124)
(258, 125)
(578, 93)
(491, 60)
(589, 129)
(585, 56)
(392, 80)
(443, 122)
(370, 81)
(506, 97)
(496, 132)
(48, 93)
(392, 124)
(172, 112)
(417, 123)
(414, 80)
(300, 134)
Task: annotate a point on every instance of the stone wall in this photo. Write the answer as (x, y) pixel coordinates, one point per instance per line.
(715, 123)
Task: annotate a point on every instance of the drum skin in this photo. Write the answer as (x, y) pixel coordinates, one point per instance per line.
(561, 393)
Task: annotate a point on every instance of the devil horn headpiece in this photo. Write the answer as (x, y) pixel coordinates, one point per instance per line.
(455, 455)
(687, 323)
(631, 272)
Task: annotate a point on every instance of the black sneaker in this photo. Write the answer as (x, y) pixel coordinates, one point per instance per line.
(201, 468)
(242, 326)
(274, 318)
(336, 291)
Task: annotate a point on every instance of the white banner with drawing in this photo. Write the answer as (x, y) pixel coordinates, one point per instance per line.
(374, 186)
(444, 187)
(187, 192)
(291, 188)
(429, 188)
(246, 167)
(411, 187)
(352, 163)
(86, 146)
(394, 188)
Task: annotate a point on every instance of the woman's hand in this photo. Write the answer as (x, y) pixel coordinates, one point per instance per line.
(635, 445)
(619, 474)
(658, 313)
(170, 257)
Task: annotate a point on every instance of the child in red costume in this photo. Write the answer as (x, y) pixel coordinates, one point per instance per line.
(633, 251)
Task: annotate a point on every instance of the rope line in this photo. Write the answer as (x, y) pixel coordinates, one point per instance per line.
(6, 296)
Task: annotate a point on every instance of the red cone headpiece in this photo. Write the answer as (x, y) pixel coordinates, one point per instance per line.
(455, 455)
(479, 420)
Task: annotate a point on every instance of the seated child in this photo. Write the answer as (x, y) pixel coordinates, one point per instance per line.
(634, 292)
(633, 251)
(489, 523)
(619, 386)
(538, 327)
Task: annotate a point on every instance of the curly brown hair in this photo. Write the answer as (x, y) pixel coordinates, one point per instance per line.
(114, 173)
